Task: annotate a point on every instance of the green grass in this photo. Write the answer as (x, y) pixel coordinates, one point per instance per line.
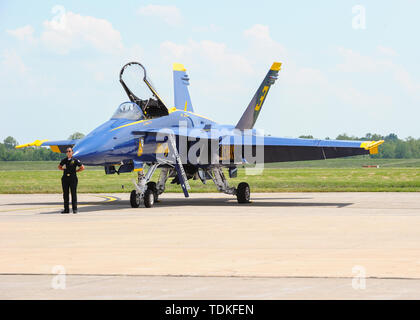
(307, 176)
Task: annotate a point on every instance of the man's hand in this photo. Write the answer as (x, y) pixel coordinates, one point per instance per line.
(81, 168)
(60, 167)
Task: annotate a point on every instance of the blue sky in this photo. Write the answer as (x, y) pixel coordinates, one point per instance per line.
(59, 63)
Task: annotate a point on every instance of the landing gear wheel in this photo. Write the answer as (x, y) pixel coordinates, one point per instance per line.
(243, 193)
(134, 199)
(149, 198)
(152, 186)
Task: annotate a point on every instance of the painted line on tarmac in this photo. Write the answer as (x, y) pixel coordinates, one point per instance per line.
(207, 276)
(109, 198)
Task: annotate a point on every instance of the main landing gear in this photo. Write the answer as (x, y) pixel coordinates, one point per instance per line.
(243, 192)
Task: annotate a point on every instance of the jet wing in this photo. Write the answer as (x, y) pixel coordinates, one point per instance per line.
(276, 149)
(291, 149)
(56, 146)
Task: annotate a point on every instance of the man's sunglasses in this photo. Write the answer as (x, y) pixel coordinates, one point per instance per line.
(69, 151)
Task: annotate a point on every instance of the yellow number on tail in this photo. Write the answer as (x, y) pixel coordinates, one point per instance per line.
(264, 91)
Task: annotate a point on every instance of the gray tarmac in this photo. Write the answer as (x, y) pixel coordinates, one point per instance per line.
(280, 246)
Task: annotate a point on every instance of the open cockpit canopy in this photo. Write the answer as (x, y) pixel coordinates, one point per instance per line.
(143, 93)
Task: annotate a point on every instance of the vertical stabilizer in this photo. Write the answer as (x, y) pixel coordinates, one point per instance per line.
(182, 98)
(251, 113)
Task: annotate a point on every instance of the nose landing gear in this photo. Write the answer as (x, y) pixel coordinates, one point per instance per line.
(145, 190)
(135, 199)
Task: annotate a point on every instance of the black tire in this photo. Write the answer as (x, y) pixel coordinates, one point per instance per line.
(243, 193)
(152, 185)
(134, 199)
(149, 198)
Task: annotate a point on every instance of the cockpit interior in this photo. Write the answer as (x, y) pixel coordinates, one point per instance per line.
(129, 111)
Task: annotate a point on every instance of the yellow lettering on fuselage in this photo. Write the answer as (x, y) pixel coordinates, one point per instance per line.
(140, 151)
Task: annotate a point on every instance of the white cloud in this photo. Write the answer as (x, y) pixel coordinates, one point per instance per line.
(403, 77)
(211, 28)
(214, 54)
(12, 62)
(307, 76)
(69, 31)
(259, 32)
(169, 14)
(25, 33)
(263, 45)
(356, 62)
(171, 50)
(387, 51)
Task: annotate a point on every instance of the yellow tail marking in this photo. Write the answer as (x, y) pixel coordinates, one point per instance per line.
(264, 91)
(179, 67)
(276, 66)
(185, 108)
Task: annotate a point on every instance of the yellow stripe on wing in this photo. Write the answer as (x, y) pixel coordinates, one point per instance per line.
(36, 143)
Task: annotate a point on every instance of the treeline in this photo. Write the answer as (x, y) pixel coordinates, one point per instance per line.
(392, 148)
(9, 153)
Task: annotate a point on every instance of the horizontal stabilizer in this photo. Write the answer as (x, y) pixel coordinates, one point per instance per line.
(56, 146)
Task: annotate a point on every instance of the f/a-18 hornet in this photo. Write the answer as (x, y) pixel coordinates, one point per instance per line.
(145, 134)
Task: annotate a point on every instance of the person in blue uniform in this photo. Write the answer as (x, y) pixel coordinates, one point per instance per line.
(69, 180)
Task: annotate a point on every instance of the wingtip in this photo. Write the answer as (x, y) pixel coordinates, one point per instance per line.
(179, 67)
(372, 146)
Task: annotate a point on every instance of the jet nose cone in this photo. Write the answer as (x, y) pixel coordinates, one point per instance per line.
(86, 154)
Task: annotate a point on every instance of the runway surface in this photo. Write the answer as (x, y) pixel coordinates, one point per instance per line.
(280, 246)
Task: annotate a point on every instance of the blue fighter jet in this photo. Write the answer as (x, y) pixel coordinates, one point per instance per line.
(144, 133)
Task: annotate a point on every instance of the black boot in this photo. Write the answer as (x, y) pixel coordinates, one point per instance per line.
(65, 211)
